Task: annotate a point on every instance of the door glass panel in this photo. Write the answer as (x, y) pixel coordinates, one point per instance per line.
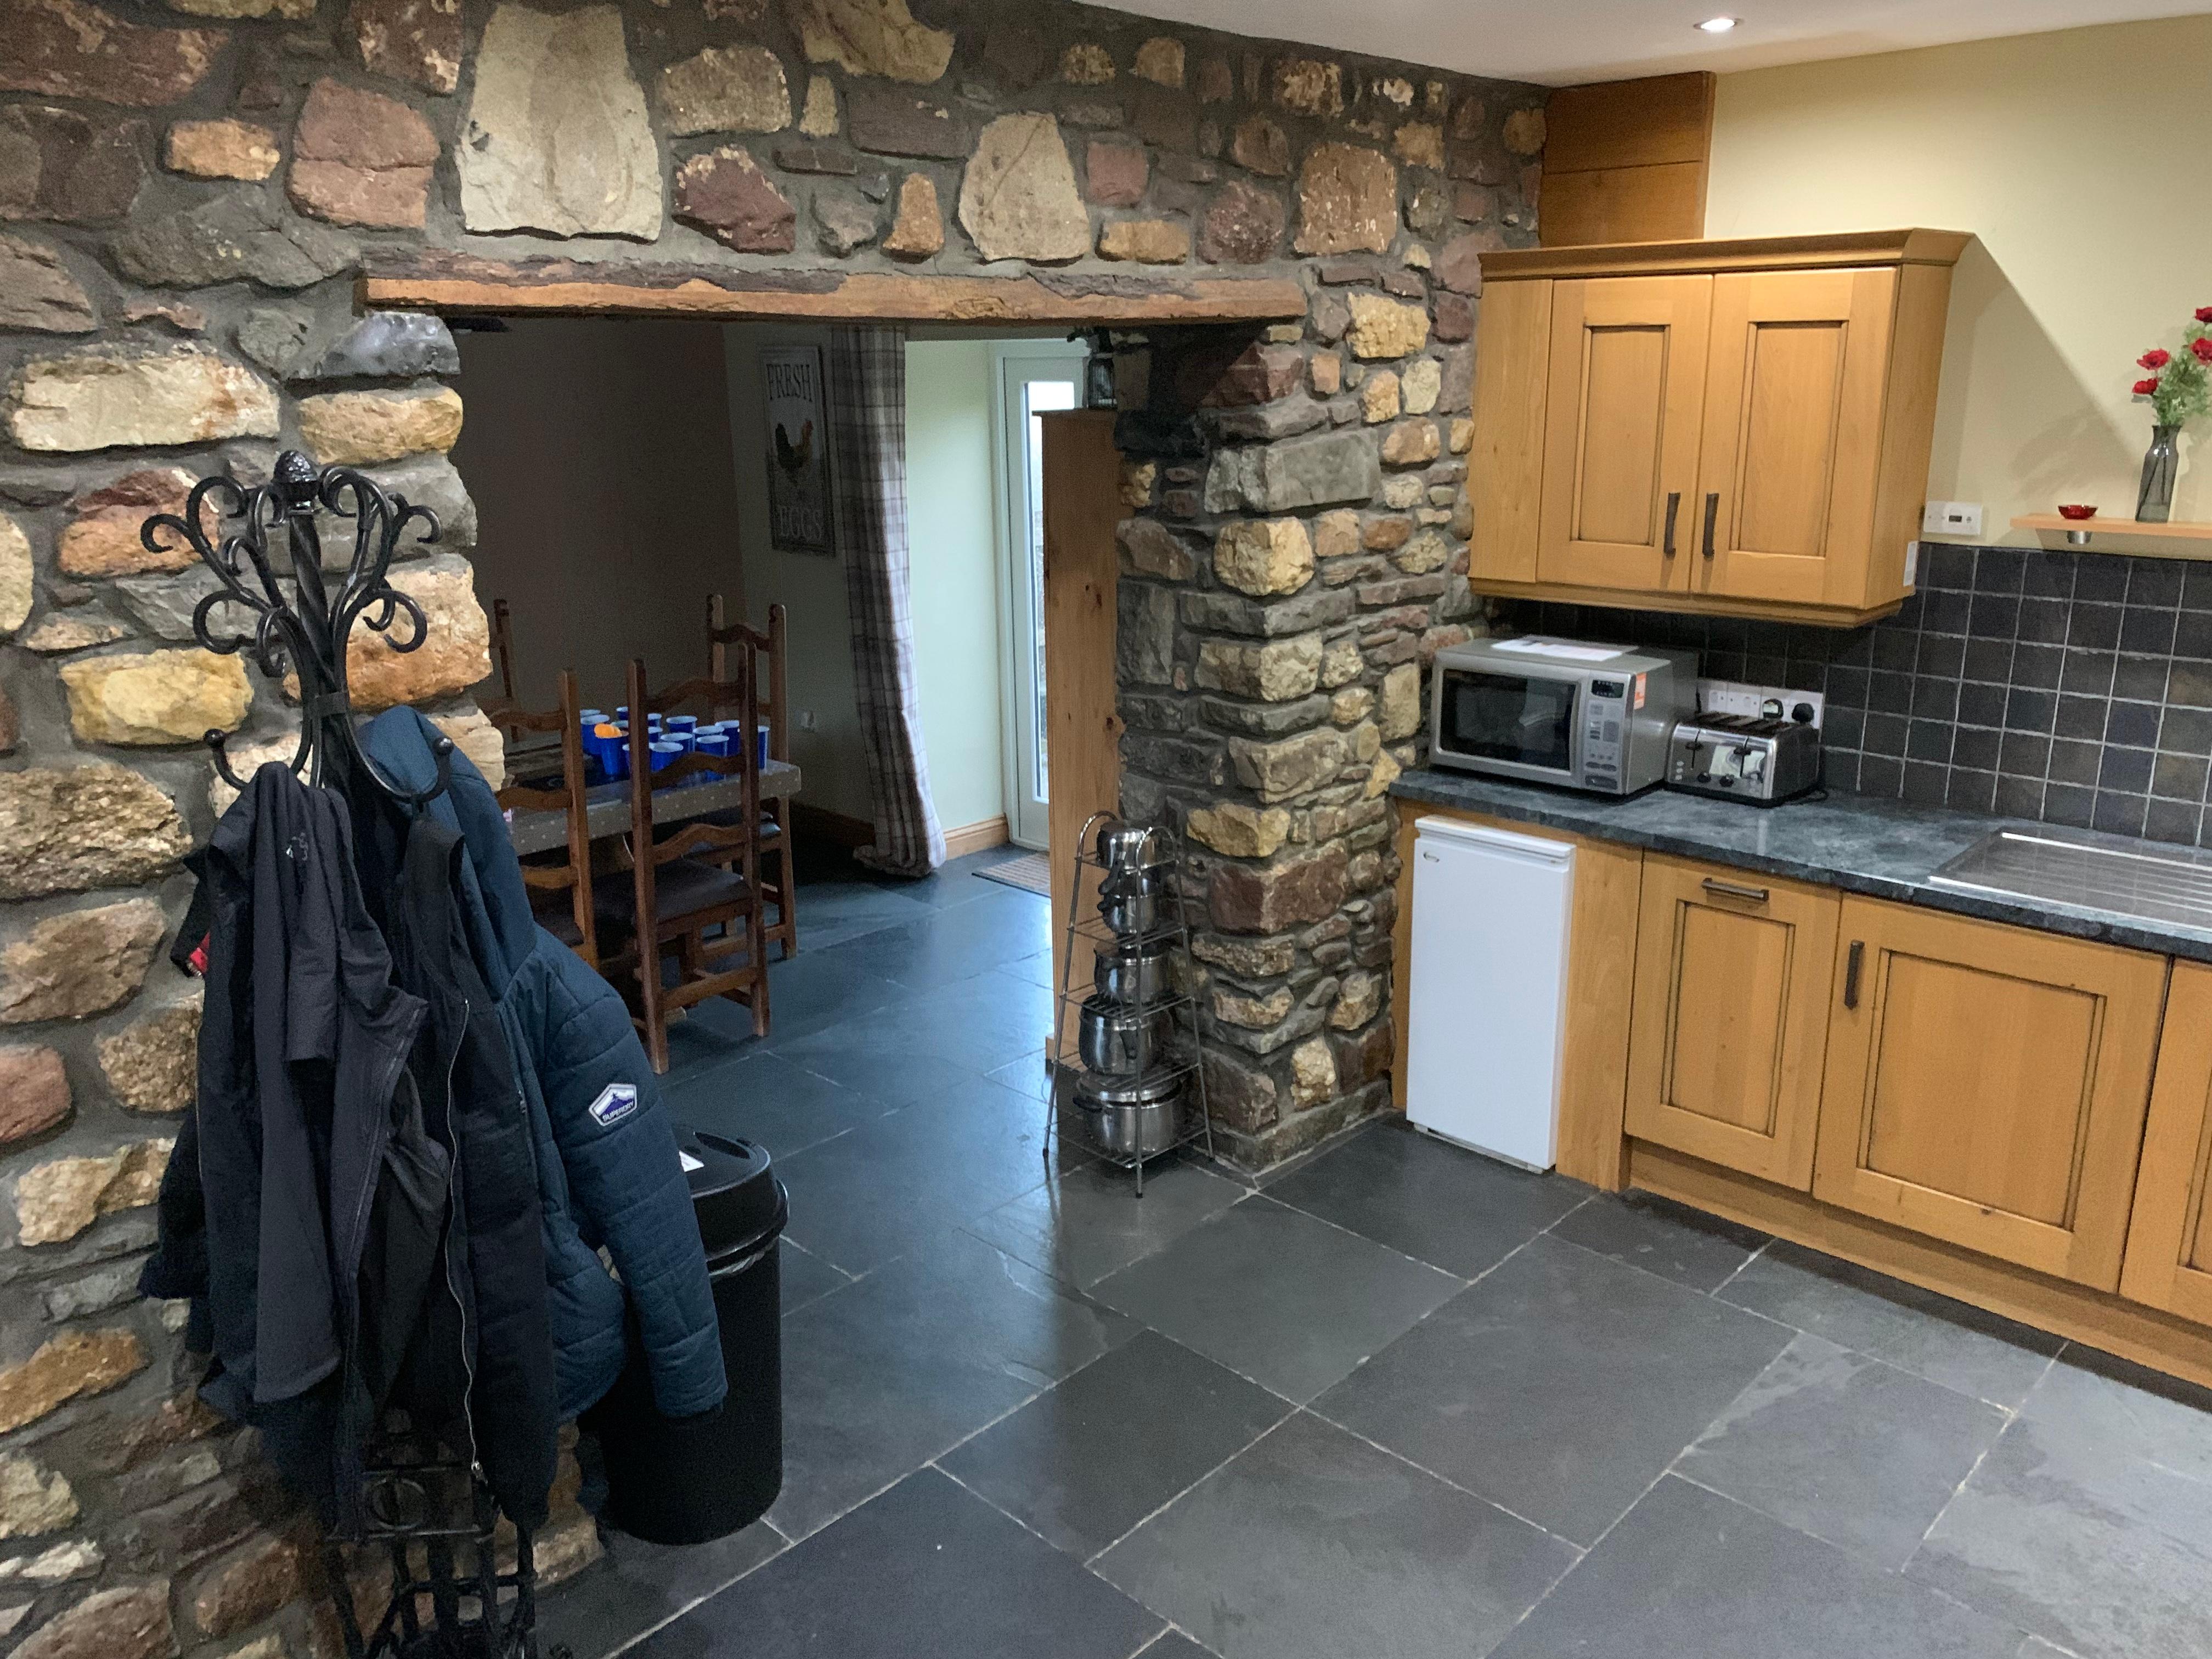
(1624, 403)
(1509, 717)
(1793, 392)
(1038, 398)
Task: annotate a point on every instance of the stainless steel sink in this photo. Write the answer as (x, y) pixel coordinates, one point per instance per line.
(2175, 886)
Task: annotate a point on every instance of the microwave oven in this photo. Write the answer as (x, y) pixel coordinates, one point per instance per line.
(1586, 716)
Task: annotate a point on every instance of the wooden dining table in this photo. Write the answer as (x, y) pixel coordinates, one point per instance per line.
(606, 806)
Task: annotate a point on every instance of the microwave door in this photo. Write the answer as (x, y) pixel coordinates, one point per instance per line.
(1521, 725)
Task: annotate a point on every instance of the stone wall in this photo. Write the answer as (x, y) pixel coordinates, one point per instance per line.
(189, 194)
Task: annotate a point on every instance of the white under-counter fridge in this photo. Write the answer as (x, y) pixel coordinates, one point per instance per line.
(1485, 1010)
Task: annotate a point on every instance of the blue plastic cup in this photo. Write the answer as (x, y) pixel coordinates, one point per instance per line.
(678, 724)
(663, 753)
(713, 743)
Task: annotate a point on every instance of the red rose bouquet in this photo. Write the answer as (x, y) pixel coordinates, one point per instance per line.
(2179, 388)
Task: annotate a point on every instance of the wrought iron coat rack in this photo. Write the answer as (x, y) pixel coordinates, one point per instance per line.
(430, 1510)
(305, 632)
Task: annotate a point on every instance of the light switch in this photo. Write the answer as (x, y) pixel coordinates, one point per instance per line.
(1951, 519)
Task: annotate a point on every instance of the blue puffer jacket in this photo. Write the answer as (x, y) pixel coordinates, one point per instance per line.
(608, 1170)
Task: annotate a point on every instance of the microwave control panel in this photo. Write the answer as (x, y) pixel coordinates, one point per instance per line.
(1604, 725)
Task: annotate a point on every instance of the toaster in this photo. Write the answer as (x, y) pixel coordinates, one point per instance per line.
(1744, 756)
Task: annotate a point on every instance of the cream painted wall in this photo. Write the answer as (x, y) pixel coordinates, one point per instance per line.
(2077, 159)
(950, 536)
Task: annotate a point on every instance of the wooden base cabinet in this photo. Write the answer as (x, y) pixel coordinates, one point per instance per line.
(1988, 1086)
(1730, 1017)
(2169, 1260)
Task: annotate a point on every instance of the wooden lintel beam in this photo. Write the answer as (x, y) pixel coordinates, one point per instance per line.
(464, 284)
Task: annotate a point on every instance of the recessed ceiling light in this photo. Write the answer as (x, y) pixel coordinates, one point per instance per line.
(1719, 25)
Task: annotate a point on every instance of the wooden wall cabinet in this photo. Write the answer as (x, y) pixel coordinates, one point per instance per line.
(1728, 426)
(2169, 1258)
(1730, 1021)
(1987, 1085)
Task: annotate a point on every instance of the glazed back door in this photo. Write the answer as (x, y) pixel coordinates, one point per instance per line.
(1620, 452)
(1793, 434)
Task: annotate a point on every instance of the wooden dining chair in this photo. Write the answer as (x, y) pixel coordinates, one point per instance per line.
(502, 648)
(765, 653)
(695, 893)
(575, 922)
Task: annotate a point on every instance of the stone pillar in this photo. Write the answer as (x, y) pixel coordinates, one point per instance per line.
(1297, 558)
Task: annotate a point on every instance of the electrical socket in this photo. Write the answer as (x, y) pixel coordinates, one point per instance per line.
(1951, 519)
(806, 720)
(1735, 697)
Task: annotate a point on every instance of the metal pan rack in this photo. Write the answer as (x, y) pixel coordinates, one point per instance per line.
(1154, 1065)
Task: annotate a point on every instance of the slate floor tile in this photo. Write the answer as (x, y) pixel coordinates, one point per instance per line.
(956, 882)
(1961, 1347)
(884, 1073)
(1846, 1448)
(833, 912)
(1037, 970)
(925, 1569)
(1559, 1386)
(958, 940)
(1094, 1455)
(2090, 1521)
(802, 1278)
(766, 1098)
(815, 989)
(1089, 1222)
(1661, 1237)
(876, 1191)
(1290, 1301)
(887, 1373)
(1314, 1545)
(1435, 1202)
(1171, 1644)
(1691, 1573)
(637, 1584)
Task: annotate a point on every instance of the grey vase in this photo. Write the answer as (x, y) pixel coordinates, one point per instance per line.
(2154, 500)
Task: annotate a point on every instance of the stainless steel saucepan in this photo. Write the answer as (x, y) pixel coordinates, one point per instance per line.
(1120, 1042)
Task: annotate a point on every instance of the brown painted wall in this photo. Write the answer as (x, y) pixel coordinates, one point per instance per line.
(599, 453)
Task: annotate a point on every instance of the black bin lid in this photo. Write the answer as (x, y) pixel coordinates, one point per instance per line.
(738, 1201)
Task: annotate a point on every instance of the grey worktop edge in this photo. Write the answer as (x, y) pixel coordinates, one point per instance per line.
(1881, 848)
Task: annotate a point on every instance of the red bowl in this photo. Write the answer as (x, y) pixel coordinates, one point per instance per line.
(2076, 511)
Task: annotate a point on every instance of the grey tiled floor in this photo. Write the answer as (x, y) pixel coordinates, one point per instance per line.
(1397, 1400)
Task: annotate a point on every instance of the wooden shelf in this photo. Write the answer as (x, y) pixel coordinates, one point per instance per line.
(2086, 528)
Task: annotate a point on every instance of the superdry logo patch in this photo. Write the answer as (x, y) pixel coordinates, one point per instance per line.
(615, 1101)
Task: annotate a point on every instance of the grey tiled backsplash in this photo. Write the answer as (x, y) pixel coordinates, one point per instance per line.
(2075, 688)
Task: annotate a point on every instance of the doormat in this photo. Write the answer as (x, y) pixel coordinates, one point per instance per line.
(1031, 873)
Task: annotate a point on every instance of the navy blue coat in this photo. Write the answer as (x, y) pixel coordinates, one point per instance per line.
(608, 1170)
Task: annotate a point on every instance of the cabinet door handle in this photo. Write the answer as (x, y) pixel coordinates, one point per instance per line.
(1731, 890)
(1712, 512)
(1852, 963)
(1674, 506)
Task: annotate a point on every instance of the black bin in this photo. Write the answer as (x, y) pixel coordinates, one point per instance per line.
(683, 1482)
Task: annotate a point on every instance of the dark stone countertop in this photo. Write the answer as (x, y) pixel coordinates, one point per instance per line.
(1884, 848)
